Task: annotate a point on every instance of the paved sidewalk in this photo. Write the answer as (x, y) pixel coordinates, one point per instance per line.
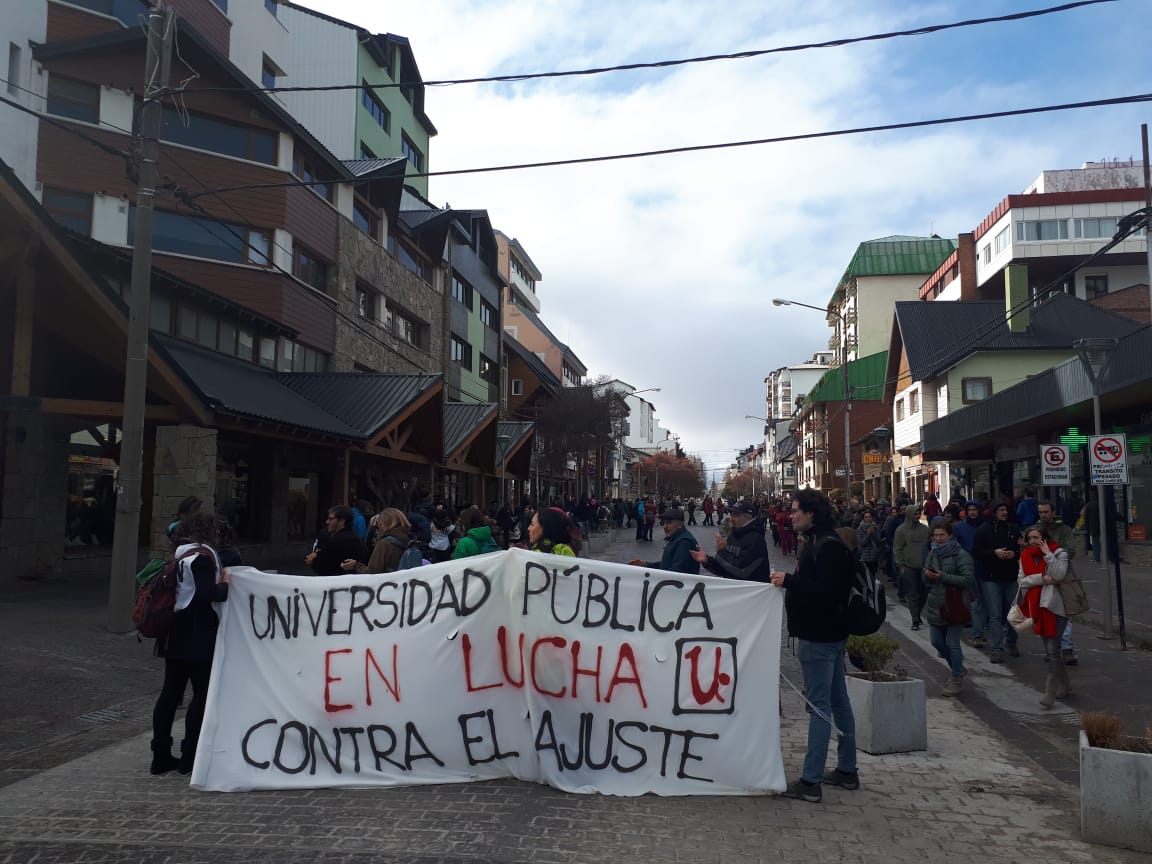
(942, 805)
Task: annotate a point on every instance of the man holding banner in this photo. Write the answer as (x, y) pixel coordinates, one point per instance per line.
(816, 602)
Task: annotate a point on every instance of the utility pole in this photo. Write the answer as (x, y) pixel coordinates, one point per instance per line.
(121, 584)
(1147, 204)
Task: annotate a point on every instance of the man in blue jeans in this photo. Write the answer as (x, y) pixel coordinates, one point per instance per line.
(816, 600)
(997, 548)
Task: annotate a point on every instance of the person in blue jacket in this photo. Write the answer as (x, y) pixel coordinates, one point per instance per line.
(679, 543)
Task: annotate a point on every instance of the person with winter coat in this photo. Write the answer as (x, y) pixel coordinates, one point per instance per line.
(997, 549)
(338, 545)
(393, 531)
(550, 531)
(965, 529)
(744, 554)
(950, 575)
(678, 546)
(1043, 568)
(708, 507)
(868, 540)
(190, 642)
(908, 554)
(477, 539)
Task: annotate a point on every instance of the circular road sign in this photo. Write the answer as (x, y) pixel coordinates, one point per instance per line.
(1107, 451)
(1054, 456)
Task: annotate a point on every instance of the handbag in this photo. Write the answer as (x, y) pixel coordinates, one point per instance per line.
(955, 610)
(1019, 622)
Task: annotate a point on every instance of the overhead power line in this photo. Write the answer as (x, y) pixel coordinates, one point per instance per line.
(697, 148)
(665, 64)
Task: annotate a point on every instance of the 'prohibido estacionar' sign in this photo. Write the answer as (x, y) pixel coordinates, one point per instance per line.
(585, 675)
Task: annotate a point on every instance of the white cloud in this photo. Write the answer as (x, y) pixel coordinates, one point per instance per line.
(660, 271)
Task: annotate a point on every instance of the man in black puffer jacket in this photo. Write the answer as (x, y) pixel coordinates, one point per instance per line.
(817, 602)
(997, 547)
(744, 553)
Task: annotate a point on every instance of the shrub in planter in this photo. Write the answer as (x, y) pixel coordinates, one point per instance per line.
(1115, 783)
(890, 708)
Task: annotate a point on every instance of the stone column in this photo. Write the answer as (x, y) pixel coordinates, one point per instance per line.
(34, 486)
(184, 464)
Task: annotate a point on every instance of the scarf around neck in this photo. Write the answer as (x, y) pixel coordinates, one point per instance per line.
(943, 550)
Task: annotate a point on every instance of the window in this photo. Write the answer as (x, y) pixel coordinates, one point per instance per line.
(975, 389)
(364, 219)
(914, 402)
(270, 5)
(1002, 240)
(570, 375)
(1042, 229)
(160, 314)
(517, 386)
(1095, 286)
(488, 315)
(406, 256)
(73, 210)
(462, 353)
(489, 370)
(308, 268)
(268, 352)
(204, 238)
(366, 302)
(218, 136)
(227, 343)
(986, 253)
(305, 169)
(245, 346)
(1093, 228)
(899, 410)
(14, 69)
(366, 151)
(268, 73)
(406, 329)
(461, 291)
(77, 100)
(374, 107)
(411, 152)
(223, 4)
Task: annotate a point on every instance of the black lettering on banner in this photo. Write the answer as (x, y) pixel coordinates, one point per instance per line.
(386, 604)
(296, 726)
(381, 754)
(685, 753)
(315, 739)
(248, 737)
(352, 732)
(660, 586)
(467, 608)
(426, 591)
(448, 598)
(359, 607)
(332, 609)
(595, 581)
(318, 618)
(616, 625)
(697, 594)
(529, 569)
(643, 754)
(411, 734)
(469, 740)
(579, 594)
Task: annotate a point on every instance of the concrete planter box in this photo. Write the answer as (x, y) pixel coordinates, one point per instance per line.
(891, 716)
(1115, 797)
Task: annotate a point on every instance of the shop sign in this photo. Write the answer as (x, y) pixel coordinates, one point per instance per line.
(1055, 465)
(1137, 533)
(1108, 459)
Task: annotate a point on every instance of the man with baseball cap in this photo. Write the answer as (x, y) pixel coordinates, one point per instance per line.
(744, 553)
(678, 546)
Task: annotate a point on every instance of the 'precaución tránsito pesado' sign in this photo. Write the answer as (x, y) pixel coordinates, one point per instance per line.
(584, 675)
(1108, 459)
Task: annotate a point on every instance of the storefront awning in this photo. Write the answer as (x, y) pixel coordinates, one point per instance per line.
(1056, 398)
(470, 435)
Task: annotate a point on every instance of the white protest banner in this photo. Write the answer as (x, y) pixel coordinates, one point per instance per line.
(585, 675)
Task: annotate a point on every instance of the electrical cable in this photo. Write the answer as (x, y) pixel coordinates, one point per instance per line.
(664, 64)
(95, 142)
(728, 145)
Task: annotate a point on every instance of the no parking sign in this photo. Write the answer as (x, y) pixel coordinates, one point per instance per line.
(1054, 470)
(1108, 459)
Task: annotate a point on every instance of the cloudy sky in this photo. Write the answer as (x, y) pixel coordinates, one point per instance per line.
(660, 271)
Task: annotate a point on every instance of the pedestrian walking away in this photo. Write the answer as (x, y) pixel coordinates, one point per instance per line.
(816, 599)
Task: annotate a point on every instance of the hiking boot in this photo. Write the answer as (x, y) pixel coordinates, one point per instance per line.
(1063, 685)
(1049, 696)
(1069, 657)
(979, 642)
(842, 779)
(1013, 651)
(954, 686)
(802, 790)
(997, 657)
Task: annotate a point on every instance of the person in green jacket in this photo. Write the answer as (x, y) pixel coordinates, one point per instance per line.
(948, 566)
(908, 554)
(477, 539)
(550, 531)
(679, 543)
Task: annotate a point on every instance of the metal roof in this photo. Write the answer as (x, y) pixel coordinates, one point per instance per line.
(785, 448)
(235, 387)
(546, 376)
(1055, 397)
(364, 167)
(897, 255)
(937, 335)
(462, 420)
(367, 402)
(510, 434)
(865, 378)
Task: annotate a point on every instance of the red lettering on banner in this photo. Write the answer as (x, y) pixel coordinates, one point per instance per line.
(392, 686)
(502, 638)
(330, 679)
(626, 654)
(473, 688)
(593, 673)
(719, 679)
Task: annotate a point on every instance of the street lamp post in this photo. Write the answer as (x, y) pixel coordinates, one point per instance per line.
(882, 435)
(776, 301)
(1094, 355)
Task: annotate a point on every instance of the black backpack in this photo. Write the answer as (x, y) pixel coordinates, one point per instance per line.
(867, 605)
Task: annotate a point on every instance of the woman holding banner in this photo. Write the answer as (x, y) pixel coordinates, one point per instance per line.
(549, 531)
